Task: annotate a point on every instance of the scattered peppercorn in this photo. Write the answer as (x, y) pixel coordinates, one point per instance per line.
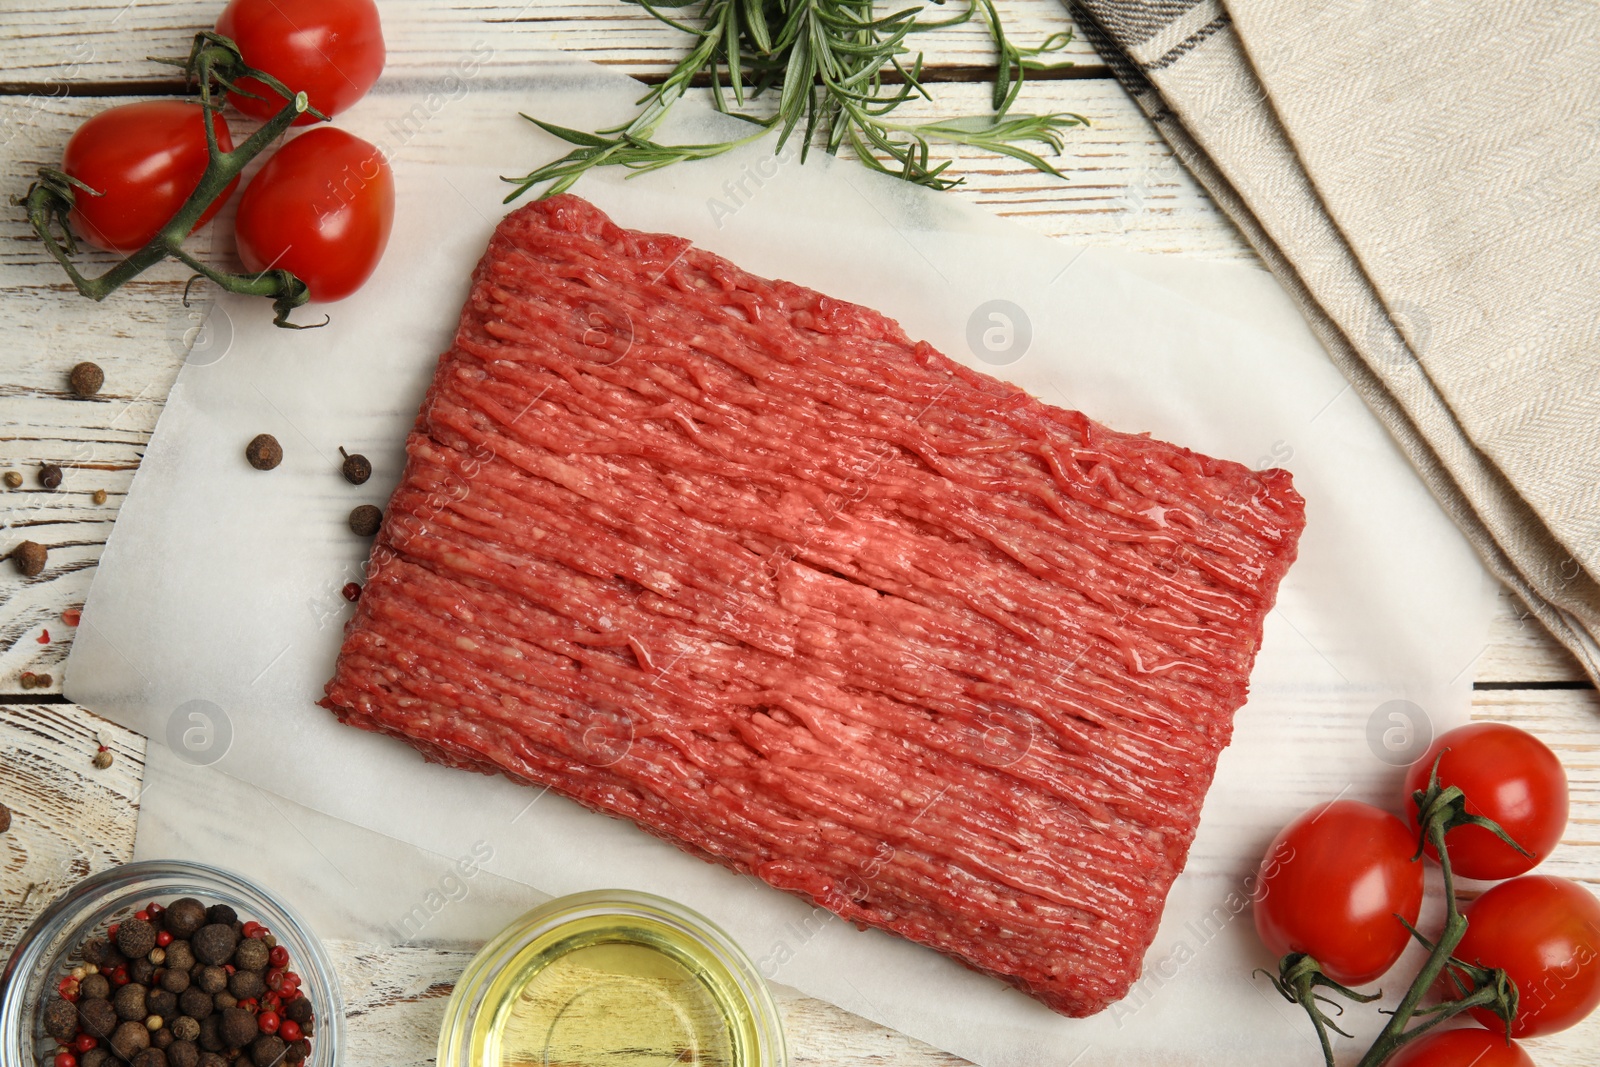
(27, 679)
(99, 496)
(30, 558)
(102, 758)
(43, 681)
(351, 591)
(263, 452)
(13, 480)
(86, 379)
(355, 468)
(365, 520)
(5, 818)
(50, 475)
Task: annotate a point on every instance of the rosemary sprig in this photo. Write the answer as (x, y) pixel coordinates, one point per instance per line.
(838, 69)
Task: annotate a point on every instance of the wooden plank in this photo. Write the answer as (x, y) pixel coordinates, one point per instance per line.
(68, 819)
(50, 45)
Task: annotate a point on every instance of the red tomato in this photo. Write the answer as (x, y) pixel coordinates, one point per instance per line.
(1508, 775)
(1545, 933)
(1467, 1047)
(322, 208)
(331, 50)
(1331, 885)
(146, 159)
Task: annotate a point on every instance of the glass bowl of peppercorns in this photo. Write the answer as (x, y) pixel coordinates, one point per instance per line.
(165, 963)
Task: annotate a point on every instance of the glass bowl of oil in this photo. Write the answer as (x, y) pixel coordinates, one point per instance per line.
(611, 979)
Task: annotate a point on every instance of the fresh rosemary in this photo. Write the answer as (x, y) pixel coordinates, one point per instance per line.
(838, 70)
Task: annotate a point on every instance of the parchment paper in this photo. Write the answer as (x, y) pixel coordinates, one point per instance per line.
(215, 617)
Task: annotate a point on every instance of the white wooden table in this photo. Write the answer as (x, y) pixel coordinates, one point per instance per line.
(62, 60)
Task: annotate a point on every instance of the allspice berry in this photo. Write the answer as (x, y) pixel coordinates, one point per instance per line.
(267, 1051)
(356, 468)
(251, 955)
(29, 557)
(135, 938)
(185, 1028)
(213, 944)
(97, 1017)
(87, 378)
(184, 1052)
(5, 818)
(182, 918)
(238, 1028)
(150, 1057)
(130, 1038)
(96, 1057)
(13, 480)
(195, 1003)
(214, 979)
(365, 520)
(247, 985)
(61, 1020)
(130, 1003)
(94, 987)
(49, 475)
(263, 452)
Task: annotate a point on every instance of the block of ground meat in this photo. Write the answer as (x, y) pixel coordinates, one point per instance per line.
(746, 565)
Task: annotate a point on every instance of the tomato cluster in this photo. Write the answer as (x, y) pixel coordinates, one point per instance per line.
(1342, 883)
(321, 208)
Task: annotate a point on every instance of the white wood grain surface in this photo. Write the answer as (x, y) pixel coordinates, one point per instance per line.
(65, 59)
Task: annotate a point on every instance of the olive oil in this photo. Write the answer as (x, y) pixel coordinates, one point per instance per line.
(615, 991)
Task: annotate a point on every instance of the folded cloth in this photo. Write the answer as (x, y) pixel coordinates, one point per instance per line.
(1424, 179)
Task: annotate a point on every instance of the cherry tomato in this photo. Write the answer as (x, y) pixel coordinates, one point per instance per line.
(1331, 885)
(322, 208)
(1508, 775)
(331, 50)
(1467, 1047)
(145, 159)
(1545, 933)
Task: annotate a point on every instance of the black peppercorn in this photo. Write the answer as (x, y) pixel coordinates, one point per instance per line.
(263, 452)
(49, 475)
(267, 1050)
(130, 1002)
(136, 938)
(238, 1028)
(130, 1038)
(251, 955)
(299, 1009)
(214, 943)
(97, 1017)
(356, 468)
(184, 1052)
(184, 916)
(365, 520)
(30, 558)
(86, 379)
(94, 987)
(61, 1020)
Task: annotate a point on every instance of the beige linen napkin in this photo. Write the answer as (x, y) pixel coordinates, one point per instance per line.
(1424, 178)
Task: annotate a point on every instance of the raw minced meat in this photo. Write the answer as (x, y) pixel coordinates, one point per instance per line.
(744, 564)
